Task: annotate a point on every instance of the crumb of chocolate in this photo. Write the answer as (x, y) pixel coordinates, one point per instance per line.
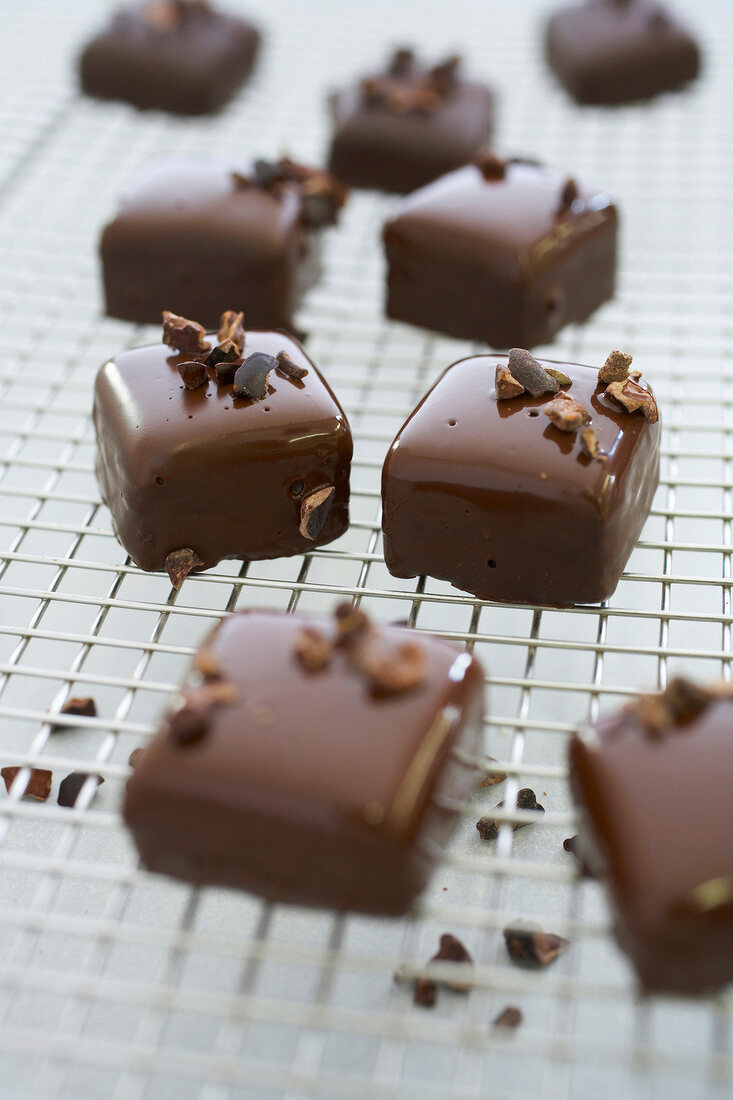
(82, 705)
(509, 1017)
(314, 509)
(251, 377)
(529, 373)
(591, 446)
(188, 724)
(180, 563)
(568, 195)
(391, 671)
(560, 377)
(290, 369)
(616, 367)
(533, 949)
(488, 827)
(207, 665)
(566, 414)
(183, 335)
(351, 624)
(491, 166)
(70, 787)
(193, 374)
(506, 384)
(37, 787)
(231, 329)
(634, 397)
(134, 757)
(312, 649)
(493, 777)
(452, 950)
(425, 992)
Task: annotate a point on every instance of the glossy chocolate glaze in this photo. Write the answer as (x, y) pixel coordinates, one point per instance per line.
(213, 472)
(655, 822)
(493, 260)
(309, 789)
(492, 497)
(187, 234)
(192, 68)
(611, 51)
(375, 147)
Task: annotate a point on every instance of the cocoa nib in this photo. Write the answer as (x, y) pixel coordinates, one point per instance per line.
(591, 446)
(81, 705)
(452, 950)
(525, 369)
(231, 329)
(616, 367)
(226, 369)
(323, 197)
(226, 352)
(134, 758)
(180, 563)
(38, 785)
(207, 665)
(390, 671)
(312, 649)
(560, 377)
(70, 787)
(633, 396)
(290, 369)
(488, 827)
(494, 776)
(568, 195)
(533, 949)
(509, 1017)
(193, 374)
(162, 16)
(401, 62)
(566, 414)
(680, 702)
(250, 379)
(444, 76)
(492, 168)
(191, 721)
(506, 384)
(425, 992)
(185, 336)
(351, 623)
(314, 509)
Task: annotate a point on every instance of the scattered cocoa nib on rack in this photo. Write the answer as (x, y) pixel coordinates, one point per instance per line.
(314, 509)
(83, 705)
(70, 787)
(533, 949)
(190, 722)
(493, 777)
(616, 367)
(491, 166)
(525, 369)
(290, 369)
(180, 563)
(188, 337)
(509, 1017)
(193, 373)
(312, 649)
(488, 827)
(425, 990)
(572, 845)
(634, 397)
(506, 384)
(231, 330)
(565, 413)
(250, 379)
(568, 195)
(591, 446)
(37, 787)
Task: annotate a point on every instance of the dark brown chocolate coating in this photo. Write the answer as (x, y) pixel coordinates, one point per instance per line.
(655, 822)
(309, 789)
(215, 473)
(375, 147)
(495, 260)
(619, 51)
(492, 497)
(192, 68)
(188, 234)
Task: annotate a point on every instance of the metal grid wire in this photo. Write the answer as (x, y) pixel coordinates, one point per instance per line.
(118, 984)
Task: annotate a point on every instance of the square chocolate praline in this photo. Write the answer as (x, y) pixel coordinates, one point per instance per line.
(619, 51)
(188, 233)
(172, 55)
(501, 260)
(654, 823)
(308, 788)
(221, 475)
(492, 497)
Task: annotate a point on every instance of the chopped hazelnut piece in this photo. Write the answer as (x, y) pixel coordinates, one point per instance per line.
(183, 335)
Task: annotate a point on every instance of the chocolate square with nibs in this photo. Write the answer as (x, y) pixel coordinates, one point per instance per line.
(619, 51)
(504, 261)
(405, 127)
(171, 55)
(189, 236)
(192, 476)
(491, 496)
(311, 788)
(652, 789)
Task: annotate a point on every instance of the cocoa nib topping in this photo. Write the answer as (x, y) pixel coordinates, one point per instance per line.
(566, 414)
(389, 670)
(568, 195)
(425, 992)
(225, 370)
(180, 563)
(562, 379)
(681, 701)
(509, 1017)
(183, 335)
(634, 397)
(250, 379)
(314, 509)
(591, 446)
(312, 649)
(506, 384)
(491, 166)
(322, 195)
(351, 623)
(193, 374)
(38, 785)
(405, 89)
(82, 705)
(452, 950)
(166, 16)
(616, 367)
(207, 665)
(70, 787)
(525, 369)
(533, 949)
(488, 827)
(401, 62)
(290, 369)
(191, 722)
(231, 329)
(494, 776)
(134, 757)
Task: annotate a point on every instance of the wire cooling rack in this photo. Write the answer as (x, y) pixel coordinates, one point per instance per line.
(118, 984)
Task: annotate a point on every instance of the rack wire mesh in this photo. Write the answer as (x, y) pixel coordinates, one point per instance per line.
(115, 983)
